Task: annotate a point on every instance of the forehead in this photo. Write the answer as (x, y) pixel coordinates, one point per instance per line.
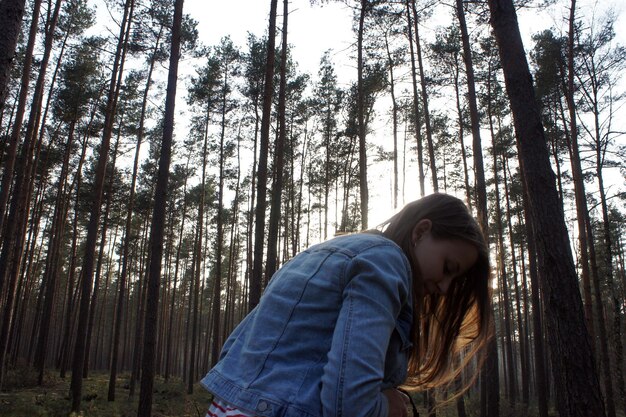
(459, 250)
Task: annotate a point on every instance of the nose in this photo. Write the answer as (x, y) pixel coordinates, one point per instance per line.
(444, 285)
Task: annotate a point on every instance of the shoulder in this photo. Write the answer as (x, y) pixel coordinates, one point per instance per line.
(374, 252)
(353, 245)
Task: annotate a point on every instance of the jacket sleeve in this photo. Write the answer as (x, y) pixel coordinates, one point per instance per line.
(378, 284)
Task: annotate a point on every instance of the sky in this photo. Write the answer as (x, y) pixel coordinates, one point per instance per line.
(315, 29)
(312, 29)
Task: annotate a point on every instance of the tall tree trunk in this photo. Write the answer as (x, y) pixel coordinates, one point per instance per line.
(199, 259)
(92, 226)
(600, 313)
(59, 209)
(394, 118)
(140, 311)
(11, 12)
(10, 258)
(279, 157)
(158, 220)
(576, 381)
(52, 268)
(508, 343)
(541, 375)
(491, 366)
(67, 332)
(9, 162)
(429, 130)
(416, 105)
(579, 186)
(616, 334)
(365, 6)
(459, 110)
(522, 322)
(585, 233)
(259, 232)
(168, 349)
(122, 284)
(98, 272)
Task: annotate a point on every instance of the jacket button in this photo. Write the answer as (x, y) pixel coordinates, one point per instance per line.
(262, 406)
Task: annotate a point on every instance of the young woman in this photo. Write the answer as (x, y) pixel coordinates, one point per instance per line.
(345, 322)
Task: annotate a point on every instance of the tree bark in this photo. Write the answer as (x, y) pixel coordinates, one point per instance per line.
(158, 221)
(429, 130)
(122, 284)
(416, 108)
(579, 185)
(508, 343)
(394, 118)
(11, 156)
(92, 226)
(11, 12)
(461, 123)
(365, 5)
(576, 381)
(491, 366)
(10, 258)
(541, 376)
(279, 158)
(259, 232)
(199, 259)
(52, 271)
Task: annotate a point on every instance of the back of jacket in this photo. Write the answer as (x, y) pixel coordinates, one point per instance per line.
(329, 334)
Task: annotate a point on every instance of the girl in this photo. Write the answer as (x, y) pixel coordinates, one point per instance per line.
(345, 322)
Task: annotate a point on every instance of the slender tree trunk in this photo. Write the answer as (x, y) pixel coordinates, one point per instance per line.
(233, 251)
(92, 227)
(128, 230)
(600, 313)
(521, 317)
(98, 272)
(508, 343)
(429, 130)
(279, 157)
(11, 12)
(394, 118)
(579, 186)
(9, 162)
(10, 258)
(461, 123)
(52, 267)
(416, 105)
(541, 376)
(199, 259)
(259, 233)
(491, 366)
(140, 312)
(365, 6)
(576, 381)
(67, 332)
(168, 349)
(616, 334)
(158, 220)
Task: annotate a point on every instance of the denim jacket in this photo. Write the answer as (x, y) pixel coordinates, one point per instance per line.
(330, 333)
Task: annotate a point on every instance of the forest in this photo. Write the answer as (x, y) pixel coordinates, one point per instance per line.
(151, 184)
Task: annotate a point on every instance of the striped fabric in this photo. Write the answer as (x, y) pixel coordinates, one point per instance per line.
(219, 408)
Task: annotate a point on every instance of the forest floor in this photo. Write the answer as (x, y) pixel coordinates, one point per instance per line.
(23, 398)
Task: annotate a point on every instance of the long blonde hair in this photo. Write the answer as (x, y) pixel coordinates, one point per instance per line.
(452, 329)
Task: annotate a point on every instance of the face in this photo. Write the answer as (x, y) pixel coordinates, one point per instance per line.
(440, 261)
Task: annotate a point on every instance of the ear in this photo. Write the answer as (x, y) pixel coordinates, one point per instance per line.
(422, 227)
